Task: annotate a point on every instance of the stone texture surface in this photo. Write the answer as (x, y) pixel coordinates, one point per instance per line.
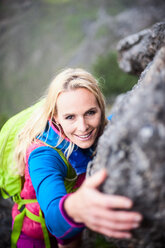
(132, 149)
(136, 51)
(5, 222)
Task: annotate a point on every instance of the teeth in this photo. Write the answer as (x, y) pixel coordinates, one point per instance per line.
(84, 136)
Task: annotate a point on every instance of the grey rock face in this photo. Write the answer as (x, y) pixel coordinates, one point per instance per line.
(136, 51)
(5, 222)
(132, 149)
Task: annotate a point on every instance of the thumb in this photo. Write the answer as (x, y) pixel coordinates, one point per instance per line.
(97, 179)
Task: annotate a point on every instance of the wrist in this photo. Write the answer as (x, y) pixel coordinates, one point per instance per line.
(68, 210)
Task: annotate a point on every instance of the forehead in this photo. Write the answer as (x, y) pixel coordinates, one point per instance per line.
(77, 99)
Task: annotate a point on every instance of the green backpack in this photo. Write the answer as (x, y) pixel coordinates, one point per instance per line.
(11, 183)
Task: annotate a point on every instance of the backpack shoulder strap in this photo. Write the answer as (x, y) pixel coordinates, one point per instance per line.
(71, 177)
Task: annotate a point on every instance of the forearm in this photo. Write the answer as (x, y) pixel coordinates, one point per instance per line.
(60, 224)
(48, 182)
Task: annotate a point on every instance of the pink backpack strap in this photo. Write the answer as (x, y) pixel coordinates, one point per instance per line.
(32, 147)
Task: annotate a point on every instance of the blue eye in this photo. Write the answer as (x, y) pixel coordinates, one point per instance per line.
(91, 112)
(69, 117)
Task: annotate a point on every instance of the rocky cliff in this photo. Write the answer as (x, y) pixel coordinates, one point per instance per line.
(132, 146)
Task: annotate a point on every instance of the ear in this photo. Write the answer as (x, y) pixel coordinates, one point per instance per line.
(57, 122)
(56, 118)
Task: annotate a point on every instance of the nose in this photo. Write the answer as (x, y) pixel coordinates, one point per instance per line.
(82, 125)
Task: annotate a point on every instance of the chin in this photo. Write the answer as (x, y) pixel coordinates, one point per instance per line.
(85, 146)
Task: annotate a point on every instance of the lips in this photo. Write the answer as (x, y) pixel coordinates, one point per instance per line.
(84, 137)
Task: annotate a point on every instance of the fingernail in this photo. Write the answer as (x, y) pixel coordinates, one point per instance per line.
(128, 236)
(138, 218)
(128, 204)
(135, 225)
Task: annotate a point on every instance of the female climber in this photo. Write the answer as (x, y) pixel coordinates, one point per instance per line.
(52, 155)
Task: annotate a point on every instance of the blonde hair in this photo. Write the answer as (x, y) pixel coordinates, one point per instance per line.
(69, 79)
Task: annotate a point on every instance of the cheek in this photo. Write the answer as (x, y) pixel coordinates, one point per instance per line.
(67, 128)
(97, 121)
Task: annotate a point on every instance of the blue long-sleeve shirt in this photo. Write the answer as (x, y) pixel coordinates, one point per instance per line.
(48, 171)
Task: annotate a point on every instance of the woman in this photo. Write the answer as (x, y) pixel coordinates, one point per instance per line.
(70, 119)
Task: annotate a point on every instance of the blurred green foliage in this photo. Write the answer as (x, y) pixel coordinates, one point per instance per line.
(56, 1)
(100, 241)
(102, 31)
(112, 79)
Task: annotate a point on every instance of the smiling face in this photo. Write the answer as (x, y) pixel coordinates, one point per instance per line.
(79, 115)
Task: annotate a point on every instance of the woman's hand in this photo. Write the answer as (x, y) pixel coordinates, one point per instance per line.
(97, 210)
